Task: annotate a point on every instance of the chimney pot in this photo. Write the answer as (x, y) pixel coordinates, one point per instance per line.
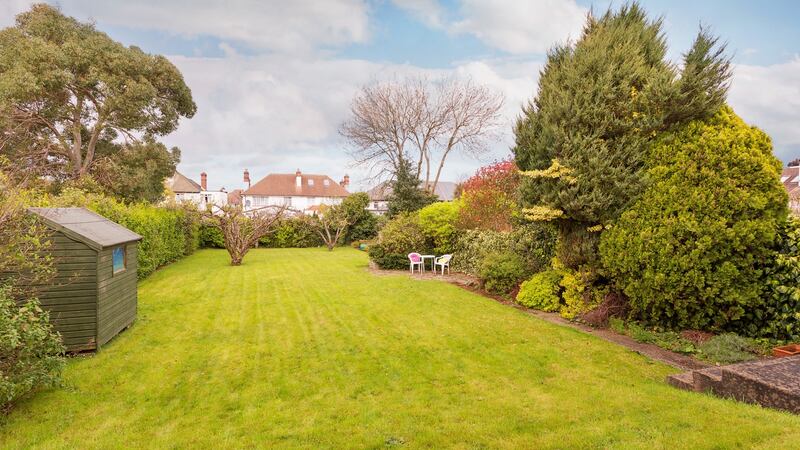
(247, 177)
(204, 181)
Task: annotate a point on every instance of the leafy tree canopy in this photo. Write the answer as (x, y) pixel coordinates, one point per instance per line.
(63, 84)
(135, 172)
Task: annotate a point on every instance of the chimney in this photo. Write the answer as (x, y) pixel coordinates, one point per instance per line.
(247, 178)
(298, 180)
(204, 181)
(346, 181)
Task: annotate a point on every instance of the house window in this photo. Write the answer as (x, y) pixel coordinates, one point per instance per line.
(287, 201)
(310, 182)
(118, 259)
(326, 182)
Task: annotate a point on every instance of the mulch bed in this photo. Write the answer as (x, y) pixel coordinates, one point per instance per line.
(652, 351)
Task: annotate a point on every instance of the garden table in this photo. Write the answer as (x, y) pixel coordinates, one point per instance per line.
(424, 257)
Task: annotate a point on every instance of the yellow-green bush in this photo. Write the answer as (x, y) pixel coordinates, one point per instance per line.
(542, 291)
(687, 253)
(438, 221)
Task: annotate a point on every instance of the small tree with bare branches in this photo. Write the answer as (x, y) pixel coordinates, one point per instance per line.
(242, 229)
(419, 123)
(331, 224)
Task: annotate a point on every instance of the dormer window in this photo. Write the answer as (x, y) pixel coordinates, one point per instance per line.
(310, 182)
(326, 182)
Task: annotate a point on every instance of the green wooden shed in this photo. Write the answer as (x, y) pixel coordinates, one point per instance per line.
(94, 294)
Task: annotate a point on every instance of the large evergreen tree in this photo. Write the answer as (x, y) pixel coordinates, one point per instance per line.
(582, 142)
(64, 86)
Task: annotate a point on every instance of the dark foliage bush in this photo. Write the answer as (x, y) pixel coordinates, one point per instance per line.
(211, 237)
(501, 272)
(778, 315)
(385, 260)
(687, 253)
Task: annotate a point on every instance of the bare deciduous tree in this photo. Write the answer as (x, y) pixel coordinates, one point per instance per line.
(420, 123)
(332, 222)
(241, 229)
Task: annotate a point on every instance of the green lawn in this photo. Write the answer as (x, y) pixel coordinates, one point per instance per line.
(306, 349)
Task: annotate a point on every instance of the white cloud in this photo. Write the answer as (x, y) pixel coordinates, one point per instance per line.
(514, 26)
(9, 9)
(769, 98)
(287, 26)
(521, 26)
(276, 113)
(428, 12)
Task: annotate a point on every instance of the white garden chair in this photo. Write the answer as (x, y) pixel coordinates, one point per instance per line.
(443, 262)
(415, 260)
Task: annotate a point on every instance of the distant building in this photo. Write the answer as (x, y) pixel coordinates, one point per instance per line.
(379, 195)
(300, 192)
(790, 177)
(188, 190)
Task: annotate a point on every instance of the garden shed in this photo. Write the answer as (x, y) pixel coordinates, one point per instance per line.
(94, 295)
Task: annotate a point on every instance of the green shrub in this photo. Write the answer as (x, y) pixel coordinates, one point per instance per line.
(438, 221)
(687, 252)
(293, 232)
(211, 237)
(403, 235)
(727, 348)
(541, 291)
(533, 242)
(501, 272)
(30, 350)
(385, 260)
(363, 224)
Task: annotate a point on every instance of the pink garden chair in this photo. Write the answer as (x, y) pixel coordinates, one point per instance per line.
(416, 261)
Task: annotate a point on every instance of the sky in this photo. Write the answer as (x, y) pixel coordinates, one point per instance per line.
(273, 80)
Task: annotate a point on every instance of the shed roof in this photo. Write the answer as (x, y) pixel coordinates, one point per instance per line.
(86, 226)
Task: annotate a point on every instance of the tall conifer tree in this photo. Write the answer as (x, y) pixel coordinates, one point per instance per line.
(583, 140)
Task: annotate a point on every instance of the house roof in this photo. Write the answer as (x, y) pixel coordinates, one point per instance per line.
(86, 226)
(180, 183)
(235, 197)
(445, 190)
(790, 177)
(284, 185)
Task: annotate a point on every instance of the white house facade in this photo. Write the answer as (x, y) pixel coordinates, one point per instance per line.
(187, 190)
(302, 193)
